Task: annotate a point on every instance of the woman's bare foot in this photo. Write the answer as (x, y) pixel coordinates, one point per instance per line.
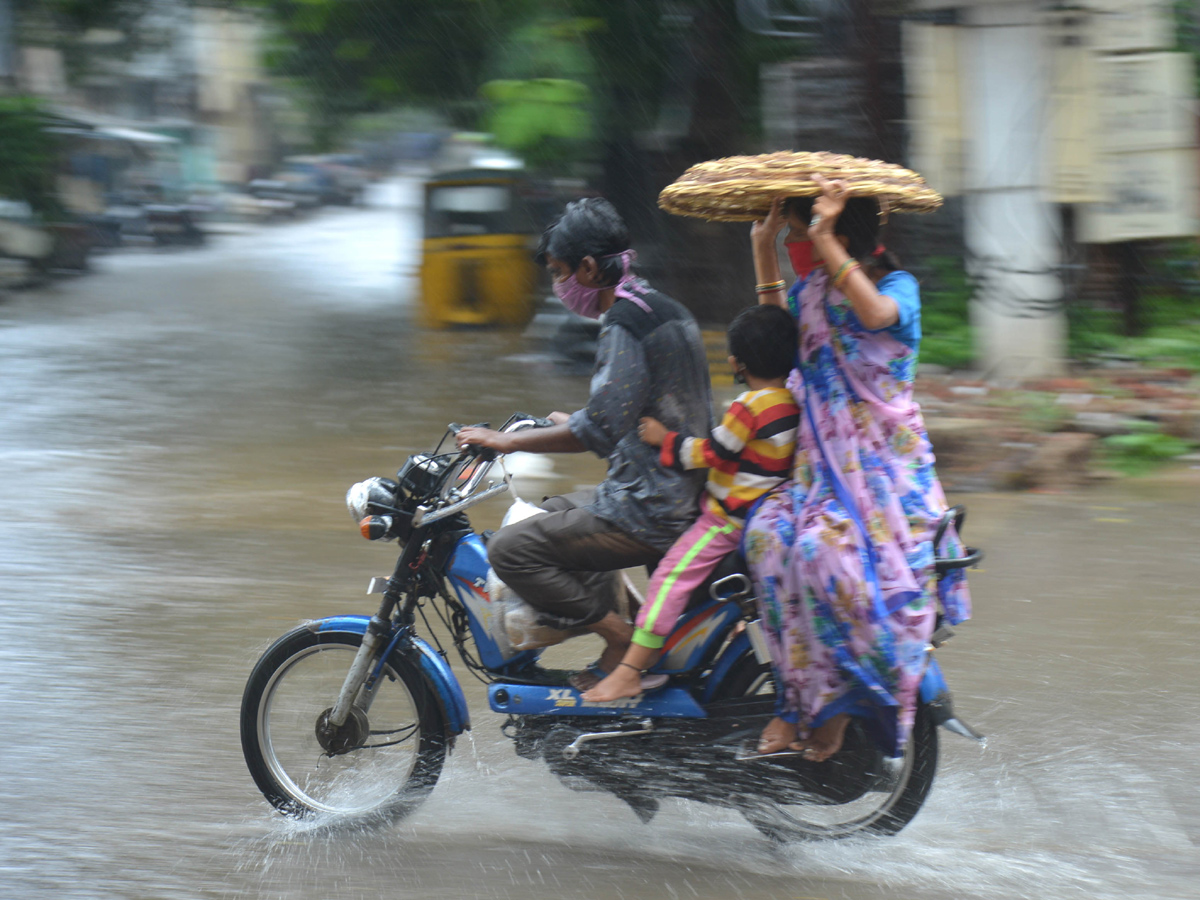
(625, 681)
(777, 737)
(826, 740)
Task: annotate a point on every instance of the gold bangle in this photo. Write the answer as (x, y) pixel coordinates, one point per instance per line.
(773, 286)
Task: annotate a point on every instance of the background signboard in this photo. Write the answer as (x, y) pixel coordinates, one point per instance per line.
(1074, 108)
(1146, 102)
(931, 77)
(1148, 167)
(1149, 194)
(1128, 25)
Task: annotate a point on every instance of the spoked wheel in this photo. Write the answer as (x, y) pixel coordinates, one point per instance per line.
(384, 760)
(879, 795)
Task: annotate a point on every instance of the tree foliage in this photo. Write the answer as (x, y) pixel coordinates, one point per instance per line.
(636, 58)
(26, 155)
(355, 56)
(542, 105)
(80, 15)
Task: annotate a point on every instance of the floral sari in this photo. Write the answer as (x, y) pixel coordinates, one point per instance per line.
(843, 557)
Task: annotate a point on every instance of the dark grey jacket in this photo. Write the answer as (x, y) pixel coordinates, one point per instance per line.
(647, 364)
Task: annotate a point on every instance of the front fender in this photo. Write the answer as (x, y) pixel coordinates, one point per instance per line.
(449, 693)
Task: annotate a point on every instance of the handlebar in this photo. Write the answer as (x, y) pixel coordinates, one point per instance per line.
(453, 500)
(955, 515)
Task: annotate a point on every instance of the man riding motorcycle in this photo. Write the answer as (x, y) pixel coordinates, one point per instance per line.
(650, 361)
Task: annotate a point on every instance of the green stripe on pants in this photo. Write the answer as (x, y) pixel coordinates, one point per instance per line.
(680, 568)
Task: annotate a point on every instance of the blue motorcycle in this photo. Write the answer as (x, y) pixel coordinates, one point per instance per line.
(354, 715)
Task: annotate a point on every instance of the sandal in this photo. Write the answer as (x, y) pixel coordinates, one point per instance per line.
(653, 682)
(648, 682)
(782, 738)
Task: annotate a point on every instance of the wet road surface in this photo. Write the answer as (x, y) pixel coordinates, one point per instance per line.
(176, 435)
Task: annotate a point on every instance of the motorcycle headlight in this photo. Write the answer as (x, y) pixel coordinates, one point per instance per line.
(360, 497)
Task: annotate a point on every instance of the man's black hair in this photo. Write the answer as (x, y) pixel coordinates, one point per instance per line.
(859, 222)
(589, 227)
(764, 340)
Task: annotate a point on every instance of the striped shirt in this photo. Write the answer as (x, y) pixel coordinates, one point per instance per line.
(748, 454)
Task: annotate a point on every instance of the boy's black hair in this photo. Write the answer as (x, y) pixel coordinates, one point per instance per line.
(859, 222)
(764, 340)
(589, 227)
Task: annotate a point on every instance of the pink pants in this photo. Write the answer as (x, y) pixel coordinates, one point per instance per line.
(690, 560)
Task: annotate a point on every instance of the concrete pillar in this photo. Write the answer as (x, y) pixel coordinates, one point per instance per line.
(1012, 231)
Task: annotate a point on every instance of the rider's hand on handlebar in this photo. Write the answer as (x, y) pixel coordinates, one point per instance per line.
(484, 437)
(559, 418)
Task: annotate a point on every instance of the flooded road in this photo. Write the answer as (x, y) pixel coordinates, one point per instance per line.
(177, 433)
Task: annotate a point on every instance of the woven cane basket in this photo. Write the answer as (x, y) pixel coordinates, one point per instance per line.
(741, 188)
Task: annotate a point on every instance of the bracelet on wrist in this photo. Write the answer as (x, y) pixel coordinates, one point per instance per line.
(844, 272)
(771, 287)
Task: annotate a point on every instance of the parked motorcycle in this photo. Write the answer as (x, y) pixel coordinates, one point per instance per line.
(173, 224)
(354, 715)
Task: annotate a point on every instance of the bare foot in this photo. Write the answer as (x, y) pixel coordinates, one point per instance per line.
(617, 634)
(623, 682)
(826, 740)
(777, 736)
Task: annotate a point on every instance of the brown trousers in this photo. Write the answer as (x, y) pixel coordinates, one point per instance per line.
(561, 563)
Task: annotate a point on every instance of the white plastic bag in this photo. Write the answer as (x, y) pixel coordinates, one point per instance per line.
(518, 621)
(519, 628)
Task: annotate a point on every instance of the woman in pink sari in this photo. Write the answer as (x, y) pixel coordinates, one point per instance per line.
(842, 559)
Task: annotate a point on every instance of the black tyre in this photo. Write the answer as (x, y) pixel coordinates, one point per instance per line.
(893, 798)
(385, 760)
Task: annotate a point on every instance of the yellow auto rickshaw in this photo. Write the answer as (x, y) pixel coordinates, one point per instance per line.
(477, 266)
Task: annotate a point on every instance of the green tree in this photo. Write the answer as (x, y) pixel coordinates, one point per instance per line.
(356, 56)
(541, 107)
(26, 155)
(544, 120)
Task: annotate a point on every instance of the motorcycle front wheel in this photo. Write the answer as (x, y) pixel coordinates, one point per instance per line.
(383, 762)
(891, 800)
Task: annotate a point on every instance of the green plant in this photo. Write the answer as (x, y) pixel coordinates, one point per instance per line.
(945, 328)
(544, 120)
(1092, 330)
(1141, 452)
(1169, 312)
(1035, 410)
(26, 155)
(541, 104)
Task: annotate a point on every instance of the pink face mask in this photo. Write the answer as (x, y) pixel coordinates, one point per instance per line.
(585, 301)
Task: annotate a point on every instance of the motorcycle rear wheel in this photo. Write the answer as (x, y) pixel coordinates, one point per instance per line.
(884, 811)
(391, 755)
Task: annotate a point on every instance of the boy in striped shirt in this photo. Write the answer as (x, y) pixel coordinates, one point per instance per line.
(748, 454)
